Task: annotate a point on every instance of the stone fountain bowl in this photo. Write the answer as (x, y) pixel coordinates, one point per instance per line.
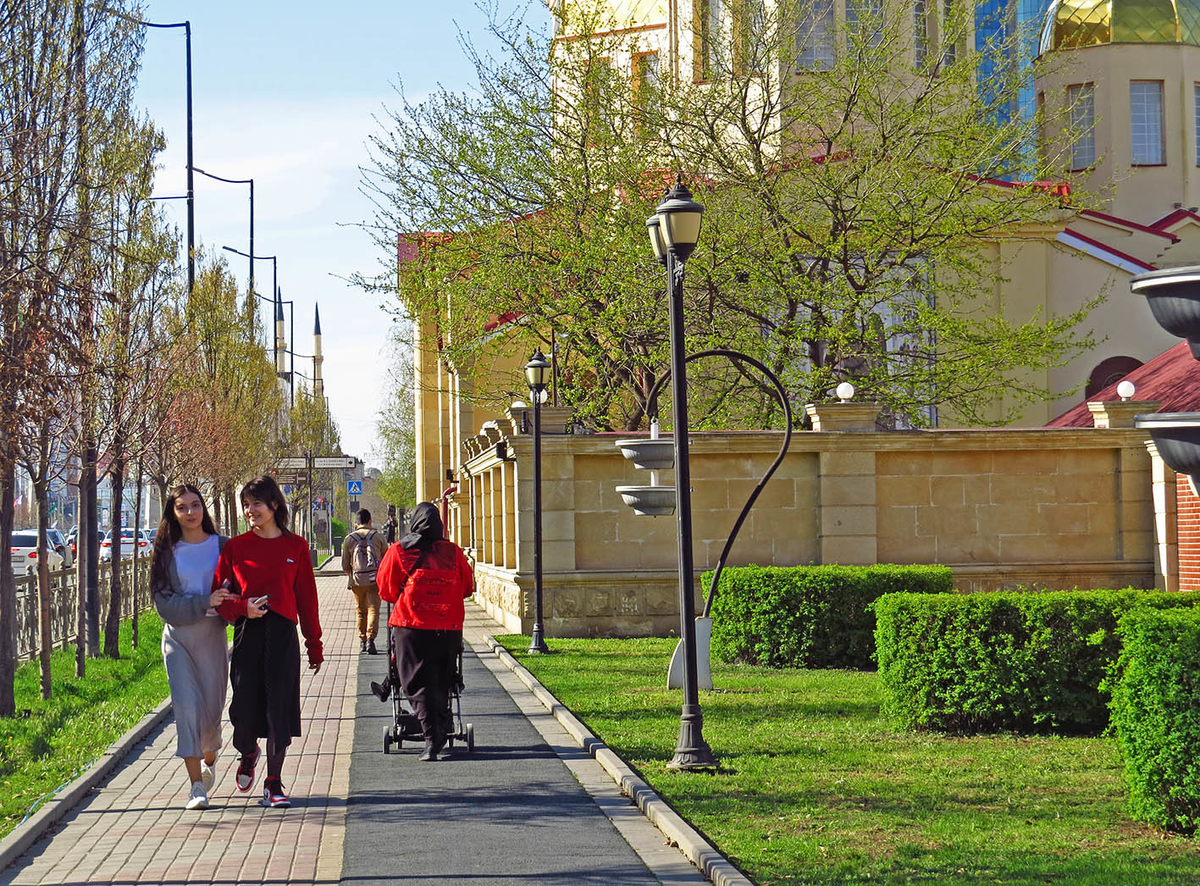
(1174, 298)
(649, 501)
(649, 455)
(1177, 437)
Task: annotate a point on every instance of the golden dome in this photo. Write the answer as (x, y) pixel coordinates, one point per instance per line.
(1071, 24)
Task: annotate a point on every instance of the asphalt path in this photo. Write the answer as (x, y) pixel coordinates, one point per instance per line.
(509, 813)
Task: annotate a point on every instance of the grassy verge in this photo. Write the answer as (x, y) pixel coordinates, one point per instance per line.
(61, 736)
(815, 787)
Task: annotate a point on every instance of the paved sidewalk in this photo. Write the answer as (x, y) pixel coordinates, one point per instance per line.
(133, 829)
(528, 806)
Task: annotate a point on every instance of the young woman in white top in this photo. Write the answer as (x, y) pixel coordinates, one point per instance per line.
(193, 642)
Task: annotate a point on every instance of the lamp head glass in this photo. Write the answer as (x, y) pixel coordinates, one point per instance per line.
(679, 218)
(537, 370)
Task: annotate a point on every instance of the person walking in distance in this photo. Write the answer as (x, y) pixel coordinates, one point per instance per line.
(427, 578)
(390, 526)
(362, 551)
(182, 565)
(271, 574)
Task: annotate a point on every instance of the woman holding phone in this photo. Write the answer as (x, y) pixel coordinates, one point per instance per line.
(271, 577)
(193, 641)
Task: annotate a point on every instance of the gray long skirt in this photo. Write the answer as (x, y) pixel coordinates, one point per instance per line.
(198, 671)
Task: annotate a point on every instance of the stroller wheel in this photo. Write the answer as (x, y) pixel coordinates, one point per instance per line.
(470, 738)
(387, 740)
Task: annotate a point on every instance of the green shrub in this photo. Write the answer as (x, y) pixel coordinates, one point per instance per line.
(808, 616)
(1024, 661)
(339, 529)
(1156, 716)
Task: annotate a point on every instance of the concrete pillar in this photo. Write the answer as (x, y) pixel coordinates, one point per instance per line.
(1119, 413)
(1166, 522)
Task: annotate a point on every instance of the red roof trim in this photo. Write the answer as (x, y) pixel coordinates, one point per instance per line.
(1175, 215)
(1125, 223)
(1106, 248)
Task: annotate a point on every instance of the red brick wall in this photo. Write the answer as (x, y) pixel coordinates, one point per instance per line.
(1189, 534)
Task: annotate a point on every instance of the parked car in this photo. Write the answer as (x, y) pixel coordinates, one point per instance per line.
(24, 553)
(59, 542)
(127, 542)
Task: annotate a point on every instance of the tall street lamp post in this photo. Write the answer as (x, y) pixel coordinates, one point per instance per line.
(191, 194)
(275, 287)
(536, 372)
(240, 181)
(674, 230)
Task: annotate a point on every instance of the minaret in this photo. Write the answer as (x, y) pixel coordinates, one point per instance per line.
(280, 338)
(318, 359)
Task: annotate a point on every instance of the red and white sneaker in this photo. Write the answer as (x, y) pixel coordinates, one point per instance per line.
(273, 794)
(244, 779)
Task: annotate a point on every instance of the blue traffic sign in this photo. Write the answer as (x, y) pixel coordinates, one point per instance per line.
(354, 487)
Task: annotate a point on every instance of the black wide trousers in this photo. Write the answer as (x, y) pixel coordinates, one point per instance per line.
(427, 662)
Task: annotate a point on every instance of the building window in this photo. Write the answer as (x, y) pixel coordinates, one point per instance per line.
(714, 37)
(814, 36)
(865, 17)
(920, 33)
(1146, 122)
(949, 33)
(1081, 101)
(1196, 119)
(645, 89)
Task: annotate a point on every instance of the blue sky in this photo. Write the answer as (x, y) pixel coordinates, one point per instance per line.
(285, 93)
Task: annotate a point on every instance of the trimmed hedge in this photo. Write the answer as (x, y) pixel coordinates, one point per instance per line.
(808, 616)
(1024, 661)
(1156, 716)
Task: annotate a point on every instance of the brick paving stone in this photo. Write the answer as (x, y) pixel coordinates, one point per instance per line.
(133, 829)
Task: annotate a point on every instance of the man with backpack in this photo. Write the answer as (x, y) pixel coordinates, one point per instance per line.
(362, 551)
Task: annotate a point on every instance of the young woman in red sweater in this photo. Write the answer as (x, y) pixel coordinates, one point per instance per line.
(269, 570)
(427, 578)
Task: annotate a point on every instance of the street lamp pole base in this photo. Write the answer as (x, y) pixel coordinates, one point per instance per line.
(537, 643)
(693, 751)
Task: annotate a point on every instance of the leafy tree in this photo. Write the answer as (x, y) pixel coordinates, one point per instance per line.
(395, 431)
(853, 198)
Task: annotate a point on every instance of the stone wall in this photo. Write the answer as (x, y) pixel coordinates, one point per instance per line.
(1003, 508)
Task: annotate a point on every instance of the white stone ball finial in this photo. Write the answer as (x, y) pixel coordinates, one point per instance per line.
(845, 392)
(1126, 390)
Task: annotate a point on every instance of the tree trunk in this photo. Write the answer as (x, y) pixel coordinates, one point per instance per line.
(41, 491)
(91, 598)
(231, 508)
(112, 621)
(8, 596)
(84, 552)
(137, 522)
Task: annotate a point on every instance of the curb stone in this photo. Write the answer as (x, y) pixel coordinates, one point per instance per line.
(23, 836)
(698, 850)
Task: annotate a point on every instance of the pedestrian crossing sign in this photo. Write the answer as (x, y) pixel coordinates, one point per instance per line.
(354, 487)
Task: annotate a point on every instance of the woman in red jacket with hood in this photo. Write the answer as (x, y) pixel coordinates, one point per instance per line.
(427, 578)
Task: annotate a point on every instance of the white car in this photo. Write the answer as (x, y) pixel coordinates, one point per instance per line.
(24, 553)
(144, 543)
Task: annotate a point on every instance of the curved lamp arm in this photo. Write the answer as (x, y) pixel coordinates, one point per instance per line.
(787, 439)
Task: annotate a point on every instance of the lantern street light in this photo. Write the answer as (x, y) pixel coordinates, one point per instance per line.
(537, 372)
(674, 230)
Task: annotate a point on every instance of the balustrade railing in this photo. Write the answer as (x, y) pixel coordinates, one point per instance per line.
(64, 603)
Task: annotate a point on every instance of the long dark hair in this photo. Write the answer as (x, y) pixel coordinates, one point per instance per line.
(266, 490)
(169, 533)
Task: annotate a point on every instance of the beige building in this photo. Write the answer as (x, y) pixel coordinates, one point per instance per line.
(1040, 507)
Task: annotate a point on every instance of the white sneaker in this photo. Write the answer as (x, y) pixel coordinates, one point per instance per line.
(199, 796)
(207, 775)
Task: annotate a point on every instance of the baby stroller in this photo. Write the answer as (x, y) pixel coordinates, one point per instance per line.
(405, 725)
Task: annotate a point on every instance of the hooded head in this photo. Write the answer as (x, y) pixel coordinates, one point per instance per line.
(425, 529)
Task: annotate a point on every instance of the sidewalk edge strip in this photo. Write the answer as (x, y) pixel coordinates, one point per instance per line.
(20, 838)
(691, 843)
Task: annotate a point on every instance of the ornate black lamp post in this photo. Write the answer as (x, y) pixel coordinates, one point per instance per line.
(537, 372)
(674, 230)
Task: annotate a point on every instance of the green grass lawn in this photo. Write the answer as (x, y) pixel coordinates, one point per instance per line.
(60, 737)
(816, 787)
